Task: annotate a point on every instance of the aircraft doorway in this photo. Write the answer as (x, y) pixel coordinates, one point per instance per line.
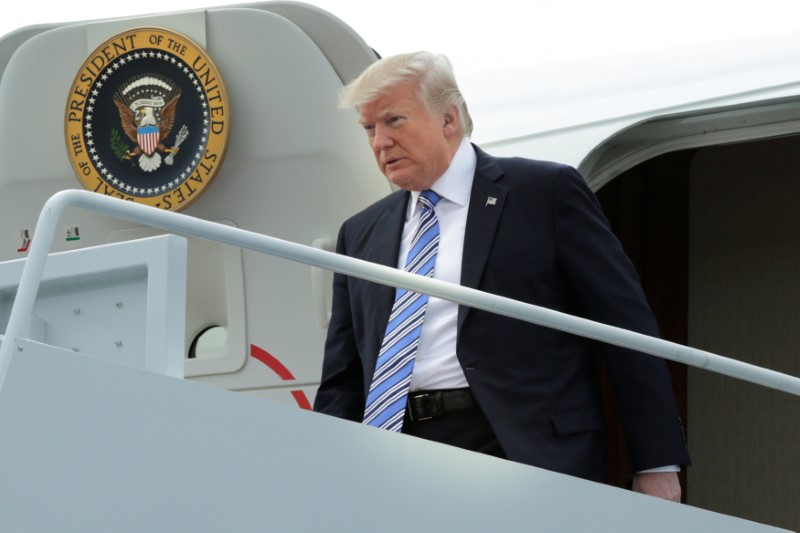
(715, 235)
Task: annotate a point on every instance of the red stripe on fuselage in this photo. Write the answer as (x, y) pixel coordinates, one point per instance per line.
(276, 366)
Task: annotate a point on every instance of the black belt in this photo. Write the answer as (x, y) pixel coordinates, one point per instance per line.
(424, 405)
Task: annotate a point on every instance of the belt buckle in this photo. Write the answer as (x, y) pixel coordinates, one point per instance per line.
(423, 402)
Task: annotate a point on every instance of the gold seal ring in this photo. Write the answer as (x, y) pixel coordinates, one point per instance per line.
(147, 119)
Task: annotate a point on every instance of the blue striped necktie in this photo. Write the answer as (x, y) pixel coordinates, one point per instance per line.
(388, 393)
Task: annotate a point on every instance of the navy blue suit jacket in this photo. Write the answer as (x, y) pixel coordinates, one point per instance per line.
(544, 241)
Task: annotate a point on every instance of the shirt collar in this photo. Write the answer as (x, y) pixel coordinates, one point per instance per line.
(456, 183)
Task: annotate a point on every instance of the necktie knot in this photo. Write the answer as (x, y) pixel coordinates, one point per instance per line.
(429, 198)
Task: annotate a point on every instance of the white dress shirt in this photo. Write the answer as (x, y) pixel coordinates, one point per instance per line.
(436, 365)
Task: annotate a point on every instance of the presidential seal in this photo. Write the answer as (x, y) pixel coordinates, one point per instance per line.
(147, 119)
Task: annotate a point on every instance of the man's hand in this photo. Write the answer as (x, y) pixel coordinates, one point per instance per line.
(660, 484)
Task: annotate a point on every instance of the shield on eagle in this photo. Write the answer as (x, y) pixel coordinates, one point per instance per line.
(147, 136)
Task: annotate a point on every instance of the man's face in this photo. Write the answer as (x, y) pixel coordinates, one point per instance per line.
(412, 146)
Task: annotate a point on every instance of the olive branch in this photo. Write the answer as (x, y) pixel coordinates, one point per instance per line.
(118, 146)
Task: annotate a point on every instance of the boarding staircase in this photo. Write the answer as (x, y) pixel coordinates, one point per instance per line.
(100, 433)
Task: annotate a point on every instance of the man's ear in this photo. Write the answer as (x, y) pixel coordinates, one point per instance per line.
(452, 121)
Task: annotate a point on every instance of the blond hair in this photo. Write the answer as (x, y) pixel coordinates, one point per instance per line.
(438, 89)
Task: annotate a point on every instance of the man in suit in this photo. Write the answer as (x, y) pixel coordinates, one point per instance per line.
(524, 229)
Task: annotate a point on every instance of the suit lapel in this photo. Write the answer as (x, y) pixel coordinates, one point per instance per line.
(486, 204)
(388, 230)
(385, 250)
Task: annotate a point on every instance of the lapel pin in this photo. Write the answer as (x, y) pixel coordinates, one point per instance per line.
(491, 200)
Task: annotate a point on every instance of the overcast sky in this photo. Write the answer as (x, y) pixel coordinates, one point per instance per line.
(395, 26)
(508, 52)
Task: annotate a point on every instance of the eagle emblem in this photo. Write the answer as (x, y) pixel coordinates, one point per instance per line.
(147, 106)
(147, 119)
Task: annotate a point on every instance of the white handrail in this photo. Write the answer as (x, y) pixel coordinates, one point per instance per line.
(167, 220)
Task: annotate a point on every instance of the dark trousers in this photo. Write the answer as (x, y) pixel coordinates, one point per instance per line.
(468, 429)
